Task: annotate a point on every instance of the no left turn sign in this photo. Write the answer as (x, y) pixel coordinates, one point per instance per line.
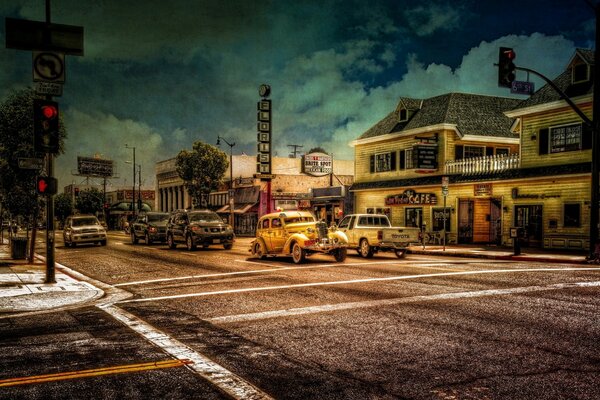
(48, 67)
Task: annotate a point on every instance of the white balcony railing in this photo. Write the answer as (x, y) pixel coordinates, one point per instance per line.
(483, 165)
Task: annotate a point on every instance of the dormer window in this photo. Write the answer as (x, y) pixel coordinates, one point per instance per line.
(403, 115)
(580, 73)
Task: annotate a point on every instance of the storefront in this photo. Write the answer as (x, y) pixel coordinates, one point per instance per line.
(330, 204)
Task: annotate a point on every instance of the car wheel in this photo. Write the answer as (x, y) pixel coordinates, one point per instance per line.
(340, 254)
(103, 243)
(147, 239)
(227, 246)
(134, 239)
(170, 242)
(259, 251)
(189, 243)
(400, 253)
(298, 254)
(366, 250)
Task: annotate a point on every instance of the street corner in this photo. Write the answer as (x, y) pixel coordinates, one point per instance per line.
(23, 289)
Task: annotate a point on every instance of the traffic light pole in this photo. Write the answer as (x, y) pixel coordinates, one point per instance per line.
(50, 268)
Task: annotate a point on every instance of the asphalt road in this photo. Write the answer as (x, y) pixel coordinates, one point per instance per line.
(416, 328)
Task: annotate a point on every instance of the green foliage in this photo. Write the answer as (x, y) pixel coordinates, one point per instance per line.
(63, 206)
(17, 186)
(89, 201)
(317, 150)
(201, 169)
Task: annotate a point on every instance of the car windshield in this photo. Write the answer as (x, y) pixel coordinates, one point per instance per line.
(158, 217)
(298, 219)
(84, 221)
(205, 217)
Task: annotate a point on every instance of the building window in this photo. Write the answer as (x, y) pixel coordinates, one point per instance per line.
(383, 162)
(413, 217)
(565, 138)
(581, 73)
(502, 151)
(438, 219)
(572, 215)
(473, 151)
(403, 115)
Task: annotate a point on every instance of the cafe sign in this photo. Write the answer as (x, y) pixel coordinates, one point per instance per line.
(317, 164)
(410, 197)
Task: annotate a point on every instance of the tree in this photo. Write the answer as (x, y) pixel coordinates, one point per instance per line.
(201, 169)
(63, 206)
(317, 150)
(17, 186)
(90, 201)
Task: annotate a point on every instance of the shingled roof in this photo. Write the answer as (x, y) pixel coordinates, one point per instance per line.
(547, 94)
(472, 114)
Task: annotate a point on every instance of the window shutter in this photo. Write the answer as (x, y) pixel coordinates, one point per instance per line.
(372, 164)
(586, 137)
(458, 152)
(393, 165)
(402, 159)
(543, 141)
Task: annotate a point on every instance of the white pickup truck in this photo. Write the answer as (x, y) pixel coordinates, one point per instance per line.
(371, 233)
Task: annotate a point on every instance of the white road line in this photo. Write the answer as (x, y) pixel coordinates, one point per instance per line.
(217, 375)
(260, 271)
(395, 301)
(347, 282)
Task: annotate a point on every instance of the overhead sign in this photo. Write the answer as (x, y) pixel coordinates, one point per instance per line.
(23, 34)
(263, 158)
(317, 164)
(48, 67)
(410, 197)
(426, 156)
(519, 87)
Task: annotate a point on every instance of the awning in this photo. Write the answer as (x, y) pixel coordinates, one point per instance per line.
(239, 208)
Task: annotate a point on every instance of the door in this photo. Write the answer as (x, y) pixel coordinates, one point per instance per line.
(346, 226)
(277, 234)
(496, 221)
(465, 221)
(529, 217)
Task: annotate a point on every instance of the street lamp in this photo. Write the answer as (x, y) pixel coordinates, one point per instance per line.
(139, 168)
(231, 191)
(133, 197)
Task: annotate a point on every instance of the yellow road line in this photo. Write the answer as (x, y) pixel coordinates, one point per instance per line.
(121, 369)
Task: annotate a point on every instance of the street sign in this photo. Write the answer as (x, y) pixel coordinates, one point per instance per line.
(23, 34)
(48, 67)
(520, 87)
(31, 163)
(445, 183)
(48, 88)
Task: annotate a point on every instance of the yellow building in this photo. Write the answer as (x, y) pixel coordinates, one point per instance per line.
(495, 162)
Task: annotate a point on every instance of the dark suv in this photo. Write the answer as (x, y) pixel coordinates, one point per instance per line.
(198, 227)
(150, 226)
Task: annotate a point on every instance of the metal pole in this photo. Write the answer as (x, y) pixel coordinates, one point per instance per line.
(594, 200)
(231, 192)
(50, 271)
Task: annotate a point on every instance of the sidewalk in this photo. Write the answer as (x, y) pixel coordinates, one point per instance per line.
(22, 286)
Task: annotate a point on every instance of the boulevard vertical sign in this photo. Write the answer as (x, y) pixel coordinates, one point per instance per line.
(263, 158)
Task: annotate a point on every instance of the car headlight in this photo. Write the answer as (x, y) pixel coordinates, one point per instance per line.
(152, 229)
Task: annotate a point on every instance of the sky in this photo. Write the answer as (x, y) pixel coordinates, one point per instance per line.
(159, 75)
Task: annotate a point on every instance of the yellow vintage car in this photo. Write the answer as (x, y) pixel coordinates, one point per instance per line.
(297, 233)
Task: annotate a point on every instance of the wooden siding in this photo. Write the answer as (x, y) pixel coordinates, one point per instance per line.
(532, 124)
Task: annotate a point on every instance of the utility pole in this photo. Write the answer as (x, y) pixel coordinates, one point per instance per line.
(594, 200)
(295, 149)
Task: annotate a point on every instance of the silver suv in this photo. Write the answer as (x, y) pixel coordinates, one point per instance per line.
(83, 229)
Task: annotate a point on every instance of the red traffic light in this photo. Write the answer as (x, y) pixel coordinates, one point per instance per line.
(46, 185)
(49, 111)
(510, 54)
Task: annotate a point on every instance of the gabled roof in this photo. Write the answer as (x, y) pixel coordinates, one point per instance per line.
(471, 113)
(547, 94)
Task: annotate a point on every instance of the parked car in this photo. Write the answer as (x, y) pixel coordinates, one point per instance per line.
(297, 234)
(83, 229)
(370, 233)
(198, 227)
(149, 226)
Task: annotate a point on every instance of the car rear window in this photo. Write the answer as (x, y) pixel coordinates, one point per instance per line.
(298, 219)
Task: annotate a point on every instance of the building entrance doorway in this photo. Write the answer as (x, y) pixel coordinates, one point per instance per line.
(529, 217)
(479, 220)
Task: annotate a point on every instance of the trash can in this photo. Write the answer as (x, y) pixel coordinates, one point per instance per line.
(18, 248)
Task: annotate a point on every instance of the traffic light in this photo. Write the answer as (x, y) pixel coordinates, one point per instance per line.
(506, 67)
(45, 126)
(46, 185)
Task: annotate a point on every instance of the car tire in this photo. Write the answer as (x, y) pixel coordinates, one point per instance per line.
(189, 243)
(147, 238)
(227, 246)
(170, 242)
(340, 254)
(366, 251)
(298, 254)
(103, 243)
(259, 251)
(400, 253)
(134, 239)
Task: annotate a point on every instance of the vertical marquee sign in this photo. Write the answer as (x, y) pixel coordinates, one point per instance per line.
(263, 159)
